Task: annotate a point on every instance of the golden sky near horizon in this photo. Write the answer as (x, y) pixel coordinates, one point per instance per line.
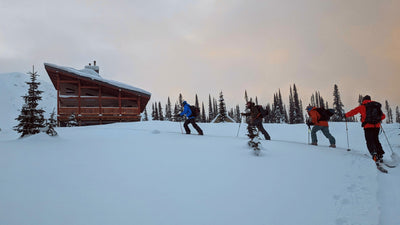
(203, 47)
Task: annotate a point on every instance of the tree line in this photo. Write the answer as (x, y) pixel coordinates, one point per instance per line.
(277, 112)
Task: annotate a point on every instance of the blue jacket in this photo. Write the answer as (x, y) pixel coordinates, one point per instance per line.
(187, 111)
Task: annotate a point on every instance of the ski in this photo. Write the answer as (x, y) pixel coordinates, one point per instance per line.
(380, 168)
(389, 165)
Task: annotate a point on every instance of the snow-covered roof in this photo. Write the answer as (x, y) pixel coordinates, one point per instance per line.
(91, 74)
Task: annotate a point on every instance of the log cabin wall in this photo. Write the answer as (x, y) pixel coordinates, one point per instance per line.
(93, 102)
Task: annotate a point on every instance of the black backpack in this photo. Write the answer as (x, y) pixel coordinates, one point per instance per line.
(325, 113)
(261, 110)
(373, 113)
(195, 111)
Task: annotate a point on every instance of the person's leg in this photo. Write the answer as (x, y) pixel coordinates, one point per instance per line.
(194, 124)
(379, 149)
(263, 131)
(370, 140)
(325, 131)
(314, 130)
(185, 125)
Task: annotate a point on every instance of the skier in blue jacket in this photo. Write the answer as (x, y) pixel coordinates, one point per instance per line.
(190, 119)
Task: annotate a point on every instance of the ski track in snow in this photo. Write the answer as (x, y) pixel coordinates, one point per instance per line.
(122, 173)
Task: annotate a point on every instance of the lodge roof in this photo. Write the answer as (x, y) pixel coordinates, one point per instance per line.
(93, 75)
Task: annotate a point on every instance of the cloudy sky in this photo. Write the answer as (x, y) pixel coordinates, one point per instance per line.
(169, 47)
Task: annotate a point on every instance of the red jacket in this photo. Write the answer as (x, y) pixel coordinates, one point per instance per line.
(315, 117)
(361, 109)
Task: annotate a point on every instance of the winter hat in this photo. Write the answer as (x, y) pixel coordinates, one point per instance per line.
(309, 108)
(367, 97)
(184, 103)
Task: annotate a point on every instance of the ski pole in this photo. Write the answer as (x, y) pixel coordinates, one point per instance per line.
(180, 125)
(240, 123)
(390, 146)
(347, 133)
(309, 130)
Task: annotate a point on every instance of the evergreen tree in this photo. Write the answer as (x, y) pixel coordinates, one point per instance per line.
(337, 105)
(145, 116)
(284, 116)
(237, 114)
(231, 113)
(156, 114)
(360, 98)
(31, 119)
(168, 111)
(291, 107)
(397, 115)
(389, 116)
(298, 111)
(245, 97)
(312, 100)
(268, 118)
(215, 107)
(176, 117)
(196, 102)
(210, 109)
(160, 112)
(153, 112)
(222, 107)
(50, 124)
(203, 113)
(72, 121)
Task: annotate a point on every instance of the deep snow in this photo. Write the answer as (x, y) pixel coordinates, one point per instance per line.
(150, 173)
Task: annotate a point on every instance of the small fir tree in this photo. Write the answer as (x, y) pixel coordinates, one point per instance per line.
(31, 119)
(397, 115)
(50, 124)
(222, 107)
(72, 121)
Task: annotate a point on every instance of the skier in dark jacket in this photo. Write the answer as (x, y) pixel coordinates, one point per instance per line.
(256, 119)
(190, 119)
(371, 131)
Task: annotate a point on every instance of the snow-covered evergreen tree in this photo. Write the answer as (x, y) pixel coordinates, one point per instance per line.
(31, 119)
(50, 124)
(222, 107)
(72, 121)
(337, 105)
(397, 115)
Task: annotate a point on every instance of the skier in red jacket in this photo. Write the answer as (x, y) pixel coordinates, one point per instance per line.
(371, 118)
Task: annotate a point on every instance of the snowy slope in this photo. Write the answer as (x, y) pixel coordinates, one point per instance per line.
(12, 87)
(149, 173)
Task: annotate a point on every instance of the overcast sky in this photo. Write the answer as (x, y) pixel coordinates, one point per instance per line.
(169, 47)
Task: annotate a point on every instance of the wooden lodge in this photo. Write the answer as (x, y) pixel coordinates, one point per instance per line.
(94, 100)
